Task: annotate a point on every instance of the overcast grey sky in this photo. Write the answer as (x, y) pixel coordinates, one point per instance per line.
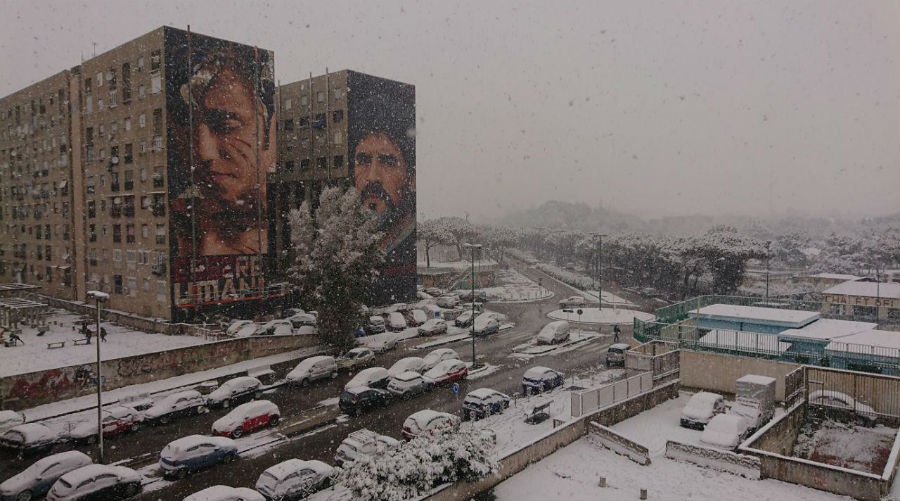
(654, 108)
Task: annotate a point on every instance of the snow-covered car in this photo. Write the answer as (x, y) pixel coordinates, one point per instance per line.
(571, 301)
(357, 357)
(615, 354)
(302, 320)
(445, 372)
(235, 326)
(234, 391)
(486, 324)
(195, 452)
(313, 369)
(406, 364)
(464, 319)
(725, 431)
(447, 301)
(29, 438)
(396, 322)
(844, 406)
(281, 327)
(354, 401)
(375, 325)
(140, 401)
(484, 402)
(116, 419)
(361, 443)
(422, 295)
(96, 482)
(553, 333)
(539, 379)
(373, 377)
(433, 327)
(246, 418)
(35, 481)
(426, 422)
(383, 345)
(407, 384)
(225, 493)
(437, 356)
(8, 419)
(247, 330)
(294, 479)
(701, 408)
(433, 291)
(416, 317)
(183, 403)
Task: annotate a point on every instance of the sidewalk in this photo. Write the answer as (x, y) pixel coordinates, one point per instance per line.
(86, 402)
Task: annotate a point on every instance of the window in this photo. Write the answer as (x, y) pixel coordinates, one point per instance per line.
(160, 234)
(92, 257)
(127, 123)
(320, 97)
(142, 120)
(161, 292)
(304, 164)
(117, 236)
(321, 163)
(155, 60)
(337, 116)
(129, 153)
(338, 161)
(337, 93)
(145, 230)
(155, 84)
(304, 100)
(289, 125)
(303, 122)
(99, 79)
(117, 256)
(117, 284)
(157, 121)
(145, 286)
(338, 137)
(129, 234)
(287, 104)
(91, 208)
(141, 91)
(140, 64)
(92, 233)
(132, 286)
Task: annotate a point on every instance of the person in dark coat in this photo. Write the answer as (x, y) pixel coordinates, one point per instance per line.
(103, 334)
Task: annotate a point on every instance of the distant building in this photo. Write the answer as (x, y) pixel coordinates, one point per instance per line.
(824, 280)
(879, 301)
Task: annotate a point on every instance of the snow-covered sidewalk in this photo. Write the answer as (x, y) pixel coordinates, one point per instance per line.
(605, 316)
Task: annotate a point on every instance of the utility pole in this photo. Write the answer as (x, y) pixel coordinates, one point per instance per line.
(600, 269)
(472, 247)
(99, 297)
(768, 243)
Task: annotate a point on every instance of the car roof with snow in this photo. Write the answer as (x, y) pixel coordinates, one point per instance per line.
(407, 361)
(240, 381)
(175, 396)
(69, 457)
(482, 393)
(75, 477)
(356, 390)
(254, 406)
(441, 351)
(537, 372)
(354, 351)
(7, 416)
(426, 415)
(620, 346)
(408, 376)
(309, 362)
(285, 468)
(705, 397)
(225, 493)
(189, 441)
(33, 432)
(445, 365)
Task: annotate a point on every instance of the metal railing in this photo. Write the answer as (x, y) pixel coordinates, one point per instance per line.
(587, 401)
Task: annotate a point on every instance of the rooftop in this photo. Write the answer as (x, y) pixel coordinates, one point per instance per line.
(861, 342)
(835, 276)
(773, 316)
(870, 289)
(827, 328)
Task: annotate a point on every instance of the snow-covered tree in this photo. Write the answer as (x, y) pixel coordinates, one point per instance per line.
(431, 233)
(421, 464)
(460, 231)
(336, 261)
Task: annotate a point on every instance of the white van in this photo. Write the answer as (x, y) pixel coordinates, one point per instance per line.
(312, 369)
(554, 332)
(396, 322)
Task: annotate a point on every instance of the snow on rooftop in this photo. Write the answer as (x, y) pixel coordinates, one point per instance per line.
(862, 342)
(743, 340)
(828, 328)
(835, 276)
(869, 289)
(792, 318)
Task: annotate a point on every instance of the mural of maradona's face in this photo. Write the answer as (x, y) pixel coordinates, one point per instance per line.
(380, 173)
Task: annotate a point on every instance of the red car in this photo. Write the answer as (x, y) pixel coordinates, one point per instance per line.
(246, 418)
(446, 372)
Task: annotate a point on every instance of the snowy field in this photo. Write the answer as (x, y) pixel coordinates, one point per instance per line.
(605, 316)
(121, 342)
(845, 445)
(514, 287)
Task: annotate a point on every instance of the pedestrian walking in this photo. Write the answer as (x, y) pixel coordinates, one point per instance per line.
(616, 332)
(103, 334)
(88, 334)
(14, 339)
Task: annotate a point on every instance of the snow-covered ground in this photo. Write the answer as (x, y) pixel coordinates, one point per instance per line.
(120, 342)
(514, 287)
(846, 445)
(605, 316)
(582, 284)
(577, 338)
(462, 265)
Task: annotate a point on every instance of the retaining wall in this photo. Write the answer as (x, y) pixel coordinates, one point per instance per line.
(718, 372)
(727, 461)
(41, 387)
(620, 444)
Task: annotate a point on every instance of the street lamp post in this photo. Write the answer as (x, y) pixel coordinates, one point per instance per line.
(99, 297)
(600, 270)
(472, 247)
(768, 243)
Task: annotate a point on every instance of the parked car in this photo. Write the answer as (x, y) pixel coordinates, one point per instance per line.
(356, 400)
(29, 438)
(313, 369)
(407, 384)
(437, 356)
(844, 406)
(281, 327)
(464, 319)
(572, 301)
(426, 422)
(225, 493)
(8, 419)
(237, 325)
(406, 364)
(433, 291)
(375, 325)
(433, 327)
(396, 322)
(383, 345)
(96, 482)
(725, 431)
(35, 481)
(538, 379)
(140, 401)
(194, 453)
(445, 372)
(416, 317)
(246, 418)
(361, 443)
(182, 403)
(486, 324)
(302, 320)
(235, 391)
(553, 333)
(116, 419)
(357, 357)
(701, 408)
(447, 301)
(373, 377)
(615, 354)
(422, 295)
(484, 402)
(247, 330)
(294, 479)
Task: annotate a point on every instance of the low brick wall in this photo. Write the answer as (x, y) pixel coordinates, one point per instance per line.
(41, 387)
(553, 441)
(737, 464)
(620, 444)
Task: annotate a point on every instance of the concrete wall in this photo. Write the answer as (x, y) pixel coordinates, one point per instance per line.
(136, 322)
(717, 372)
(781, 435)
(36, 388)
(727, 461)
(565, 435)
(620, 444)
